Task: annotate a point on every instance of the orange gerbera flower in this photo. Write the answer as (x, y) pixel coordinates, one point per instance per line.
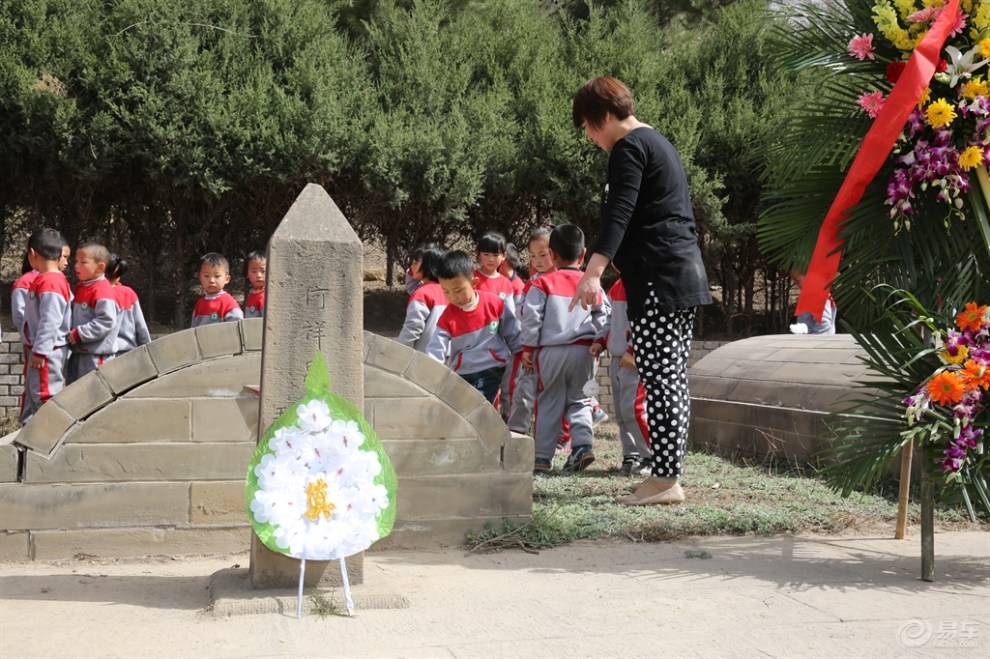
(945, 388)
(971, 318)
(974, 374)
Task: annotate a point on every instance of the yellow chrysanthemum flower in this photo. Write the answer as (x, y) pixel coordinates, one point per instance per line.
(971, 157)
(975, 87)
(966, 6)
(905, 7)
(982, 17)
(925, 96)
(940, 113)
(962, 353)
(984, 48)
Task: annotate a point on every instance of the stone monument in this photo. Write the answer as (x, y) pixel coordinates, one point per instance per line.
(313, 303)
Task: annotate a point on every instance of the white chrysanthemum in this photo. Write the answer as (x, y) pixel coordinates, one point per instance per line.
(314, 416)
(317, 488)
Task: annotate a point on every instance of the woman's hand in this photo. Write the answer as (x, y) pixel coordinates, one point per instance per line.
(589, 288)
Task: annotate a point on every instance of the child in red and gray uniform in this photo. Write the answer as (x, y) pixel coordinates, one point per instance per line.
(557, 342)
(133, 330)
(523, 391)
(491, 254)
(19, 295)
(47, 317)
(22, 288)
(93, 339)
(628, 394)
(255, 271)
(217, 305)
(426, 303)
(477, 333)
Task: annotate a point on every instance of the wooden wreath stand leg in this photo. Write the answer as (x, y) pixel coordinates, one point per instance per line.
(904, 491)
(927, 529)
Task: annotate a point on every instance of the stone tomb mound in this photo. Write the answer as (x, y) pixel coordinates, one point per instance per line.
(148, 454)
(771, 395)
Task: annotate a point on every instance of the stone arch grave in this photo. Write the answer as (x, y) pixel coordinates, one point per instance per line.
(148, 454)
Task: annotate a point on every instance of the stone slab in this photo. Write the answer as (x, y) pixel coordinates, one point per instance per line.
(135, 542)
(218, 378)
(490, 427)
(314, 304)
(129, 370)
(218, 502)
(393, 419)
(225, 419)
(518, 453)
(428, 373)
(219, 340)
(135, 420)
(382, 384)
(44, 430)
(388, 355)
(425, 457)
(464, 495)
(10, 459)
(86, 463)
(461, 396)
(233, 595)
(174, 351)
(15, 546)
(46, 506)
(85, 396)
(252, 333)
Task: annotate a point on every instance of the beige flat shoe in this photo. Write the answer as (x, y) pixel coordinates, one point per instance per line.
(652, 493)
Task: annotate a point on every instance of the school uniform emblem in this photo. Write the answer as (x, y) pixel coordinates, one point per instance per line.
(84, 306)
(493, 326)
(214, 317)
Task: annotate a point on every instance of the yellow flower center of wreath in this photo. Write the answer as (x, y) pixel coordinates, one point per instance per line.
(940, 113)
(316, 499)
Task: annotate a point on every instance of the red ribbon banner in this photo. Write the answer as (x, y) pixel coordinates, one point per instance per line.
(872, 154)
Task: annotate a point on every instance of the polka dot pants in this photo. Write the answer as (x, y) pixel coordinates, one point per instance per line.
(662, 343)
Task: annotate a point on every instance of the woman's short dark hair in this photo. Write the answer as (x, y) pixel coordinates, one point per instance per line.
(598, 97)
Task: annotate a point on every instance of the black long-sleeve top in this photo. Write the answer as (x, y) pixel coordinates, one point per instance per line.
(648, 228)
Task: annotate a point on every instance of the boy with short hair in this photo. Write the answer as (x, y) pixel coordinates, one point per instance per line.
(22, 288)
(47, 314)
(217, 305)
(628, 394)
(557, 342)
(477, 333)
(95, 324)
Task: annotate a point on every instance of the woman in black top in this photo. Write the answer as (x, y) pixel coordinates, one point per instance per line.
(648, 233)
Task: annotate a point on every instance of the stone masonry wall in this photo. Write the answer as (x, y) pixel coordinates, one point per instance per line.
(12, 373)
(147, 455)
